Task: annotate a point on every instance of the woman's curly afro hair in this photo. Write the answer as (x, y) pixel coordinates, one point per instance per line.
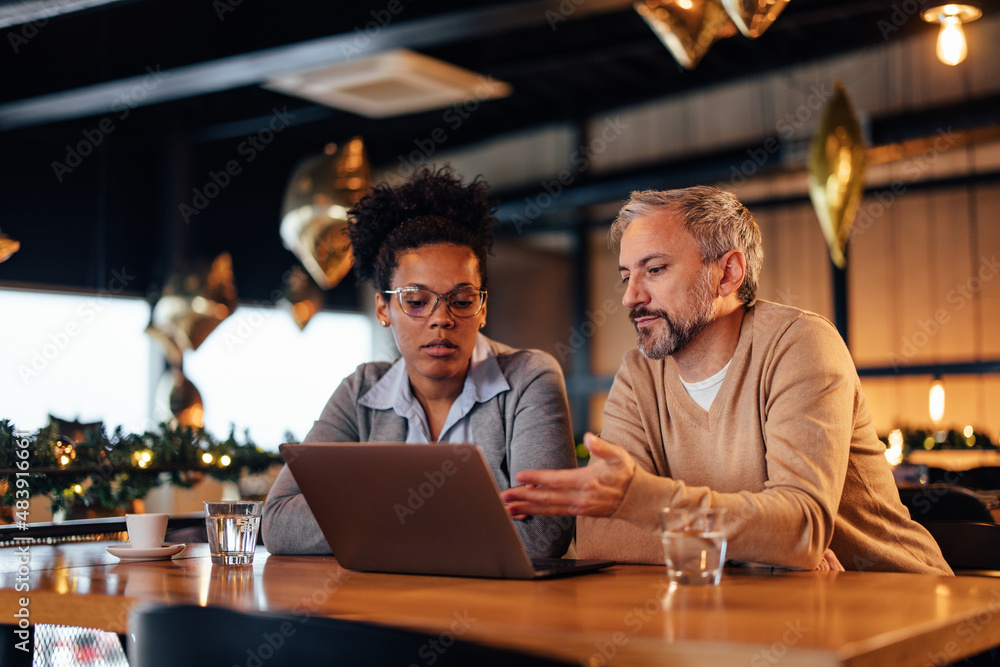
(431, 207)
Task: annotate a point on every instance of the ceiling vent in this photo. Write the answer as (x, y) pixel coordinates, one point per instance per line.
(390, 84)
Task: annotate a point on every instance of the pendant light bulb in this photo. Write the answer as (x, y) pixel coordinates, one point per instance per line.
(951, 45)
(936, 401)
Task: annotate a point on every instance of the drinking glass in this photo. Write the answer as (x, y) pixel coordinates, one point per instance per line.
(694, 544)
(232, 530)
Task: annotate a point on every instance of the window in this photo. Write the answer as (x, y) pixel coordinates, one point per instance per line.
(75, 356)
(87, 357)
(258, 371)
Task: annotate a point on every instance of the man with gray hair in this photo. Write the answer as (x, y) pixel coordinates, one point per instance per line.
(729, 402)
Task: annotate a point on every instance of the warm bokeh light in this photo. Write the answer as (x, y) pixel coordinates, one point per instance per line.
(224, 460)
(968, 431)
(951, 45)
(206, 457)
(77, 488)
(894, 453)
(936, 401)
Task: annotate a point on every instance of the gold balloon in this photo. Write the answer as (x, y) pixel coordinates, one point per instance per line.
(193, 303)
(837, 159)
(182, 399)
(303, 297)
(76, 430)
(753, 17)
(314, 215)
(686, 27)
(8, 247)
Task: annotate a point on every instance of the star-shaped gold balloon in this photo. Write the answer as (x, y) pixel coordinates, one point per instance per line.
(8, 247)
(193, 303)
(753, 17)
(303, 297)
(688, 28)
(314, 215)
(837, 160)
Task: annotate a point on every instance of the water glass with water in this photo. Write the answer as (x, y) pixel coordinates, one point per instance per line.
(232, 530)
(694, 544)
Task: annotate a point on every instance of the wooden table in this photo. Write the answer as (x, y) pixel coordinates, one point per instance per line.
(626, 615)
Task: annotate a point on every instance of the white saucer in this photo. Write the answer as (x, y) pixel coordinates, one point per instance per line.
(126, 552)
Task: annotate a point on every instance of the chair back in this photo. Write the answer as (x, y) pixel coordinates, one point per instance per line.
(189, 635)
(969, 547)
(944, 502)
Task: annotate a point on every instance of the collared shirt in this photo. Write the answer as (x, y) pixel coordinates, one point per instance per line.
(483, 381)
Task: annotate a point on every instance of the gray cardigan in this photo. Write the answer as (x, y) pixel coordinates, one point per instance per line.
(527, 427)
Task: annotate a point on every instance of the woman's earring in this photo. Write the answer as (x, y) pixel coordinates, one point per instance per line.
(384, 323)
(482, 324)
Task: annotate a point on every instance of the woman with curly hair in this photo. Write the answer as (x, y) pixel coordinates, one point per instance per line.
(423, 245)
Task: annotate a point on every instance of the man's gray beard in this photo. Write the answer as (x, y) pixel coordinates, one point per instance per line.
(683, 331)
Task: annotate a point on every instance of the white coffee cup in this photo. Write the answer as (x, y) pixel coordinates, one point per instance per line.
(146, 531)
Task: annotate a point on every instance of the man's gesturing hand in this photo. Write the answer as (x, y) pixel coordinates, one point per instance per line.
(596, 490)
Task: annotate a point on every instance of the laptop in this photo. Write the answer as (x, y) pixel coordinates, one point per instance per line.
(416, 509)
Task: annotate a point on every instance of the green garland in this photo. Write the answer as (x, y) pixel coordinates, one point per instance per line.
(114, 471)
(930, 439)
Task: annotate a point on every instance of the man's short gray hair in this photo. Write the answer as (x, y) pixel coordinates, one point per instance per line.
(716, 219)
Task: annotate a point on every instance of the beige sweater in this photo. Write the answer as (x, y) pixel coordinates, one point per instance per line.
(788, 447)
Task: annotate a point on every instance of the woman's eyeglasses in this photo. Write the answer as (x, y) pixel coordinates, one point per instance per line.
(420, 302)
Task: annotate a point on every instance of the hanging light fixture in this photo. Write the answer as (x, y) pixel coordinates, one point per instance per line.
(951, 45)
(936, 400)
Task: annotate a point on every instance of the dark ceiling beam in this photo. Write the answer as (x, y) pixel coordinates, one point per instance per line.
(256, 67)
(20, 12)
(532, 206)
